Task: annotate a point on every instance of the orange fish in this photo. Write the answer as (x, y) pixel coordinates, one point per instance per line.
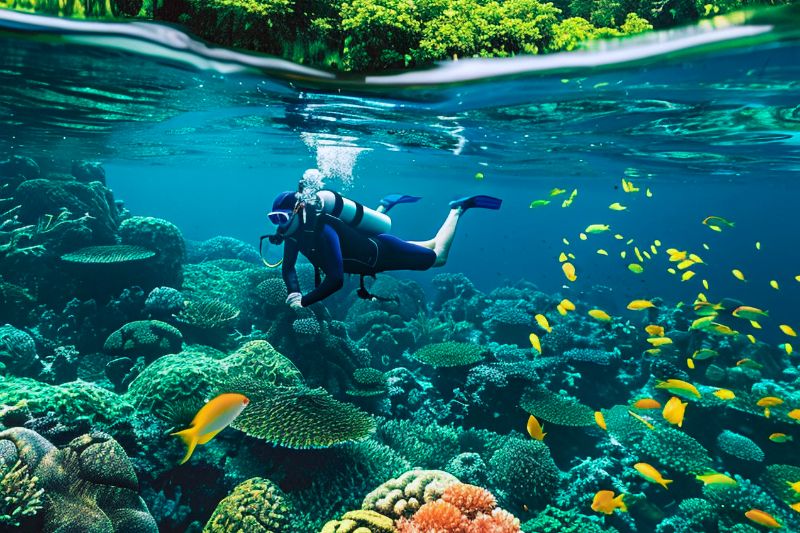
(674, 411)
(794, 414)
(600, 420)
(763, 519)
(654, 330)
(769, 401)
(646, 403)
(651, 474)
(605, 502)
(535, 429)
(569, 271)
(212, 418)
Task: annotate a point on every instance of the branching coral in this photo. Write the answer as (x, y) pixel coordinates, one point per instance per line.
(20, 497)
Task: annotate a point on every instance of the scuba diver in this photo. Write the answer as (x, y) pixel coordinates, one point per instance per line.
(338, 236)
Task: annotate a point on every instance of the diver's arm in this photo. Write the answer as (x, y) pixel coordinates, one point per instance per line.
(331, 265)
(289, 260)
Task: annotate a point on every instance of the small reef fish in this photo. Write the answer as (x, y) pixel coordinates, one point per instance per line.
(543, 323)
(774, 285)
(704, 353)
(600, 420)
(569, 271)
(597, 228)
(794, 414)
(539, 203)
(705, 284)
(788, 348)
(561, 310)
(616, 206)
(716, 223)
(638, 305)
(677, 386)
(562, 257)
(535, 429)
(715, 478)
(212, 418)
(738, 274)
(600, 251)
(568, 201)
(659, 341)
(642, 420)
(537, 345)
(724, 394)
(654, 330)
(568, 305)
(582, 236)
(683, 265)
(651, 474)
(605, 502)
(556, 191)
(749, 313)
(648, 193)
(674, 411)
(763, 518)
(780, 438)
(599, 314)
(686, 276)
(758, 245)
(696, 259)
(755, 324)
(646, 403)
(749, 363)
(636, 268)
(795, 507)
(479, 176)
(722, 329)
(628, 186)
(794, 486)
(788, 330)
(690, 363)
(751, 338)
(769, 401)
(618, 236)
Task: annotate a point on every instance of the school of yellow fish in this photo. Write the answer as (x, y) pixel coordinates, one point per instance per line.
(684, 264)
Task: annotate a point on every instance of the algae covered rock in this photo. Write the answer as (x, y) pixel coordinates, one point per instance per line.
(145, 338)
(255, 506)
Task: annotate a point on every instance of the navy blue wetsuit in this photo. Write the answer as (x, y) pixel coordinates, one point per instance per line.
(336, 248)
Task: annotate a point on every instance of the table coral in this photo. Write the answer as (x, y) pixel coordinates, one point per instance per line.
(447, 354)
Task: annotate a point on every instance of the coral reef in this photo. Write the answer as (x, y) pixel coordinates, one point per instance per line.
(256, 505)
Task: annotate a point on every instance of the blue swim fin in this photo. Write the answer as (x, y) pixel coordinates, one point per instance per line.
(480, 201)
(392, 200)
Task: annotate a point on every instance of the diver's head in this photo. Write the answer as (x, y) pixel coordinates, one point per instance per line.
(284, 213)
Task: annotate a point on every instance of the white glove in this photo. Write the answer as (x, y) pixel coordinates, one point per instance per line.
(294, 300)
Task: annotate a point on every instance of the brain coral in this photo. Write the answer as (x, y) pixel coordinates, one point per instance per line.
(145, 338)
(556, 408)
(255, 506)
(739, 446)
(525, 472)
(447, 354)
(404, 495)
(299, 417)
(360, 521)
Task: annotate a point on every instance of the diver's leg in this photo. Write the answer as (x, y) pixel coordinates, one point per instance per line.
(444, 237)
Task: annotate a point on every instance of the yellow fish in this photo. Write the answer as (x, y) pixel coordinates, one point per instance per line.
(690, 363)
(676, 255)
(780, 438)
(582, 236)
(686, 276)
(597, 228)
(788, 330)
(556, 191)
(642, 420)
(600, 315)
(622, 254)
(763, 519)
(566, 304)
(795, 507)
(605, 502)
(774, 284)
(718, 222)
(651, 474)
(758, 245)
(638, 305)
(535, 429)
(565, 241)
(654, 330)
(794, 414)
(788, 348)
(561, 310)
(600, 420)
(635, 268)
(683, 265)
(674, 411)
(794, 486)
(659, 341)
(653, 351)
(715, 478)
(722, 329)
(568, 201)
(569, 271)
(539, 203)
(724, 394)
(653, 249)
(628, 186)
(696, 258)
(705, 284)
(677, 386)
(755, 324)
(749, 313)
(751, 338)
(738, 274)
(602, 252)
(769, 401)
(648, 193)
(616, 206)
(620, 237)
(212, 418)
(543, 323)
(534, 338)
(562, 257)
(646, 403)
(638, 254)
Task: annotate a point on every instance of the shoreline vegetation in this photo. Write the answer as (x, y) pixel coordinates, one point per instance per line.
(379, 35)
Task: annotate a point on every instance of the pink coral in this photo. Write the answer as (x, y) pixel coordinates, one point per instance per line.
(500, 521)
(435, 517)
(469, 499)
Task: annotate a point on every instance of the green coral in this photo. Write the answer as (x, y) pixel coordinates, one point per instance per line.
(207, 313)
(624, 427)
(163, 237)
(108, 254)
(259, 360)
(424, 445)
(368, 382)
(448, 354)
(777, 479)
(739, 446)
(525, 473)
(147, 338)
(71, 400)
(299, 417)
(556, 408)
(255, 506)
(674, 449)
(360, 521)
(20, 497)
(555, 520)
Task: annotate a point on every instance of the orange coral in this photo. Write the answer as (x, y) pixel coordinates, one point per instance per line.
(469, 499)
(435, 517)
(500, 521)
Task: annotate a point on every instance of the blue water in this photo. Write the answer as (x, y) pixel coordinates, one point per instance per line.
(206, 139)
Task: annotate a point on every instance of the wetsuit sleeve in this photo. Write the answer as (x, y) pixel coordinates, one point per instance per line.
(332, 266)
(288, 270)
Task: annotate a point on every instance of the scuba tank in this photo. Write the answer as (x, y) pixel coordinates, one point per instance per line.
(352, 213)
